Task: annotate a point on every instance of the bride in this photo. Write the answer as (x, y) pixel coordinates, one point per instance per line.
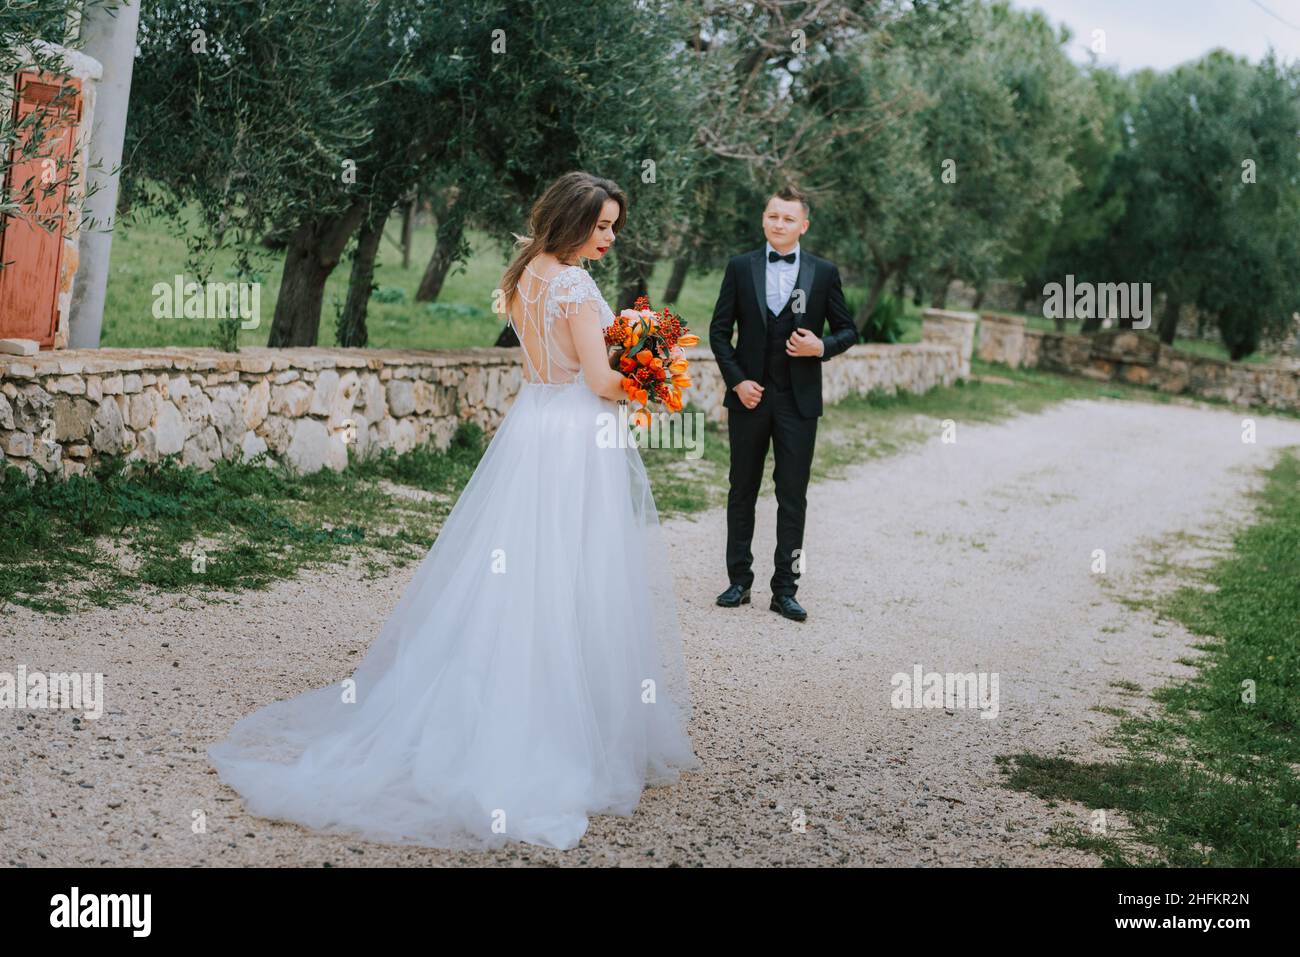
(531, 673)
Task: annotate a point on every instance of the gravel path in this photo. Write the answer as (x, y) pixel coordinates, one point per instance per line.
(973, 556)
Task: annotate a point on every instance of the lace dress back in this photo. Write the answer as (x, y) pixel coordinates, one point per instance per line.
(543, 316)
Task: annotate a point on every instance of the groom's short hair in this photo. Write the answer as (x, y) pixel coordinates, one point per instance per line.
(792, 194)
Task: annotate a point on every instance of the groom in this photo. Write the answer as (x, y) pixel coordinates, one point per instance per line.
(782, 297)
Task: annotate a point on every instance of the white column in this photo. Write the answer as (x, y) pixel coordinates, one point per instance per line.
(109, 37)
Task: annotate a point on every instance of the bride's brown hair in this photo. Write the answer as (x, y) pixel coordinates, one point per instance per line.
(561, 222)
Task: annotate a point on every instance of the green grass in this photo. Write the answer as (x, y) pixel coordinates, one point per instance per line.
(152, 250)
(1213, 349)
(100, 538)
(1211, 780)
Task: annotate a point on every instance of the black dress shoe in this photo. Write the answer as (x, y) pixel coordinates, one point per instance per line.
(788, 607)
(734, 596)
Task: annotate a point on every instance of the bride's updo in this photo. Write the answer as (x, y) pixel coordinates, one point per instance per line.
(562, 220)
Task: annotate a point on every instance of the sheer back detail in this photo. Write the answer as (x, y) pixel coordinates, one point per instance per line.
(542, 317)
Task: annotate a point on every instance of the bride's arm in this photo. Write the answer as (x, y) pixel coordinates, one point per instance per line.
(589, 341)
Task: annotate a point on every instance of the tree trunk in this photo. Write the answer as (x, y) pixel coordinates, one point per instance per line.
(1169, 320)
(312, 252)
(1123, 322)
(302, 287)
(451, 229)
(869, 306)
(677, 279)
(633, 280)
(351, 330)
(940, 297)
(979, 297)
(408, 230)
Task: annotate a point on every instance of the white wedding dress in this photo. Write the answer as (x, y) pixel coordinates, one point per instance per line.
(531, 673)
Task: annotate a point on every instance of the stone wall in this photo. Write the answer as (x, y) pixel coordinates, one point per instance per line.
(954, 328)
(1001, 339)
(1140, 359)
(860, 370)
(61, 411)
(1033, 343)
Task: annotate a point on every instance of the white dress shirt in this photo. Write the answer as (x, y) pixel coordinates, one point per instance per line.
(781, 277)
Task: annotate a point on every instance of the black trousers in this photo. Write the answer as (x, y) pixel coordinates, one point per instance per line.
(774, 421)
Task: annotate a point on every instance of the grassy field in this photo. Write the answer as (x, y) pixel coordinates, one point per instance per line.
(99, 539)
(1211, 781)
(155, 251)
(152, 252)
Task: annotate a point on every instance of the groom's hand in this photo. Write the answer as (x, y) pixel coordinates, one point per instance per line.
(750, 392)
(803, 343)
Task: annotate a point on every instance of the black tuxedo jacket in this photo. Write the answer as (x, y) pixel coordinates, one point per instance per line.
(743, 302)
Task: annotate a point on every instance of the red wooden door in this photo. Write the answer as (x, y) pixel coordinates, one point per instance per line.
(31, 243)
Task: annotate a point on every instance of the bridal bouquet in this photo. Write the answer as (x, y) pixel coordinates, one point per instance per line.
(648, 348)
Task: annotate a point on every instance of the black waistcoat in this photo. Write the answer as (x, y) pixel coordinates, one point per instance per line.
(776, 364)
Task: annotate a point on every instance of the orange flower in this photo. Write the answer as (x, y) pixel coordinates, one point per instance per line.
(674, 401)
(641, 395)
(645, 357)
(690, 339)
(679, 366)
(640, 418)
(682, 381)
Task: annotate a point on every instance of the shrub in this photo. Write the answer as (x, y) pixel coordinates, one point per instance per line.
(885, 323)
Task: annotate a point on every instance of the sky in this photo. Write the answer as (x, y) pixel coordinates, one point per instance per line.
(1163, 33)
